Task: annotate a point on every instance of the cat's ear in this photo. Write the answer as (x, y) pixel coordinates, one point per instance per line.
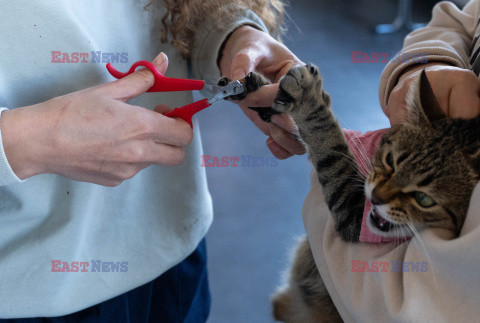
(424, 108)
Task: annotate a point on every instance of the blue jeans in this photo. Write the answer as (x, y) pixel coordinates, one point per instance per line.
(179, 295)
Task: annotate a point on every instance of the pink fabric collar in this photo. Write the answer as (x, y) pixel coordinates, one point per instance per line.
(361, 145)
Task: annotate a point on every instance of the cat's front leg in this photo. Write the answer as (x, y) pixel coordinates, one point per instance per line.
(301, 95)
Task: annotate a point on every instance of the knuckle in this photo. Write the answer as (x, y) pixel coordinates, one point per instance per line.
(241, 57)
(300, 149)
(255, 100)
(186, 137)
(124, 173)
(176, 157)
(112, 183)
(144, 123)
(277, 134)
(285, 156)
(136, 154)
(129, 173)
(144, 76)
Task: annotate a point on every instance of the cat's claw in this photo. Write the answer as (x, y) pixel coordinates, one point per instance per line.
(299, 88)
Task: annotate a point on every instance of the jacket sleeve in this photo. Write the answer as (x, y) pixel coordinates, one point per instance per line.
(447, 38)
(212, 34)
(7, 176)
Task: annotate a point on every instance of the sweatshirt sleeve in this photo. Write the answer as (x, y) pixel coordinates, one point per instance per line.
(7, 176)
(211, 35)
(447, 39)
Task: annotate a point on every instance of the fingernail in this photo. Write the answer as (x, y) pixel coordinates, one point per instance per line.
(276, 119)
(269, 141)
(237, 75)
(160, 59)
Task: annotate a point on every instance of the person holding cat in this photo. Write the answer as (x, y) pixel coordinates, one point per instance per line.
(447, 291)
(123, 249)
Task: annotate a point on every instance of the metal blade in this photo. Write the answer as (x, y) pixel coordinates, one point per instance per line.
(210, 90)
(232, 88)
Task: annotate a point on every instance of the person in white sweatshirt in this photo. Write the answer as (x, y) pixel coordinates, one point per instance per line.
(102, 199)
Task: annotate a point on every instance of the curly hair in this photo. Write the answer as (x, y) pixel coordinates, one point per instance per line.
(183, 16)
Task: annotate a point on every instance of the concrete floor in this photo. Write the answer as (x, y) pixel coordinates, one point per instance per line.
(258, 209)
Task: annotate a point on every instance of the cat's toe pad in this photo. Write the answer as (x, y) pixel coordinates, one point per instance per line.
(300, 84)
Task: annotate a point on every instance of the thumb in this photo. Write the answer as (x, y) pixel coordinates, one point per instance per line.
(138, 82)
(161, 62)
(242, 64)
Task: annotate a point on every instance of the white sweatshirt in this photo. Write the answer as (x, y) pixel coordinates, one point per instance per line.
(142, 227)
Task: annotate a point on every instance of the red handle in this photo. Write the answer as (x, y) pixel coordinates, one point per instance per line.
(162, 83)
(186, 112)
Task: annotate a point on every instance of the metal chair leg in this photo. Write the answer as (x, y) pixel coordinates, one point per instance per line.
(403, 19)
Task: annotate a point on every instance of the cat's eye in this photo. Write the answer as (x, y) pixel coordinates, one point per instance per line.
(389, 160)
(423, 199)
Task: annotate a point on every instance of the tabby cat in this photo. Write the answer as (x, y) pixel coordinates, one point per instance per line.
(423, 175)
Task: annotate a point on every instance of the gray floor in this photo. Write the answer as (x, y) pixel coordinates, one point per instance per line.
(258, 209)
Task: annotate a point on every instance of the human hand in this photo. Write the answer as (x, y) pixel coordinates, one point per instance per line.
(249, 49)
(93, 135)
(456, 90)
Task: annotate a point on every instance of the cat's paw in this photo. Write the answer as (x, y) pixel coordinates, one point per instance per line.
(300, 88)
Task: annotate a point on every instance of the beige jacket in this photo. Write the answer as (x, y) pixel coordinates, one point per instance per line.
(449, 289)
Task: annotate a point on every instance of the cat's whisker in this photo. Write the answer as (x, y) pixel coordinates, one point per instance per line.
(354, 163)
(402, 235)
(422, 244)
(363, 158)
(361, 177)
(350, 158)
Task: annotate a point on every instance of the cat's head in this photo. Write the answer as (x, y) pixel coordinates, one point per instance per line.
(425, 169)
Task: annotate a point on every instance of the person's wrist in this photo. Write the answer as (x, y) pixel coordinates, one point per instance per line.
(19, 137)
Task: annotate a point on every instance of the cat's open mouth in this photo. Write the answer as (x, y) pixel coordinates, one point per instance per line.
(380, 222)
(383, 227)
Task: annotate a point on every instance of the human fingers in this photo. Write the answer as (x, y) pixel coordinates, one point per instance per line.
(456, 91)
(162, 109)
(464, 100)
(136, 83)
(286, 122)
(143, 153)
(165, 130)
(263, 97)
(277, 150)
(286, 140)
(396, 109)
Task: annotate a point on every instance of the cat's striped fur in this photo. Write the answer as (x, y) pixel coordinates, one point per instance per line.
(301, 95)
(423, 175)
